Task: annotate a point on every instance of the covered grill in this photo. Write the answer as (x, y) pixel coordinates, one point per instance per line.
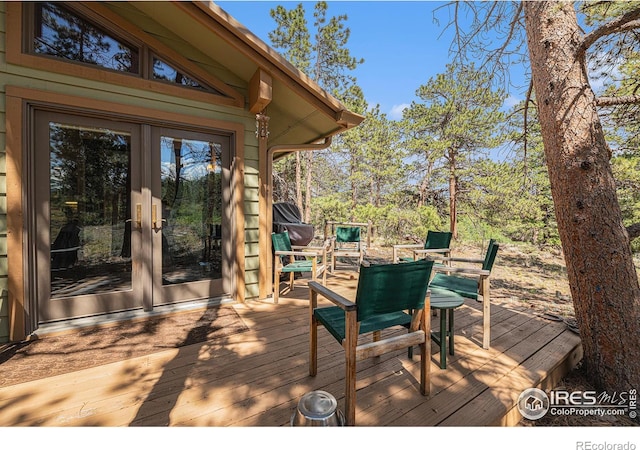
(287, 216)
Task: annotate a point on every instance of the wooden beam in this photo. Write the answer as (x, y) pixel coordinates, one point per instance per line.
(15, 217)
(260, 91)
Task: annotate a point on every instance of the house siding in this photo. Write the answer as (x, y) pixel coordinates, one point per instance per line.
(4, 293)
(36, 79)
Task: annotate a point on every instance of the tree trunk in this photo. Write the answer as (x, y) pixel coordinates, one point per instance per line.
(299, 182)
(307, 194)
(425, 185)
(453, 194)
(602, 276)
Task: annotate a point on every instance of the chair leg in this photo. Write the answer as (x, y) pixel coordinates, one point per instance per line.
(292, 277)
(350, 343)
(486, 314)
(410, 349)
(313, 334)
(425, 353)
(314, 269)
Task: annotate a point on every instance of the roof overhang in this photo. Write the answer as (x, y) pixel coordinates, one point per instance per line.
(300, 111)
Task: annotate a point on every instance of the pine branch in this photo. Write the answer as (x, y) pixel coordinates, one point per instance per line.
(622, 100)
(625, 22)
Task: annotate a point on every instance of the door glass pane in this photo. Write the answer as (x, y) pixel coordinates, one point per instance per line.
(90, 206)
(191, 176)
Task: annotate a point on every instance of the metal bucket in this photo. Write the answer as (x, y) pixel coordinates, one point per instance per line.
(317, 409)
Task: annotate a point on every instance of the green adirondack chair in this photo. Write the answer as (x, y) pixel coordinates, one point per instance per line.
(313, 260)
(436, 243)
(470, 282)
(347, 243)
(384, 294)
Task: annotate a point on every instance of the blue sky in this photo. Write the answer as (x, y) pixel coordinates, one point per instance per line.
(401, 44)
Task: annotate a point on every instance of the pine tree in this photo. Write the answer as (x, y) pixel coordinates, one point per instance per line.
(327, 60)
(458, 116)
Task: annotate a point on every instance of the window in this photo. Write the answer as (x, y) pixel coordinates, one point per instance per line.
(61, 33)
(97, 42)
(165, 72)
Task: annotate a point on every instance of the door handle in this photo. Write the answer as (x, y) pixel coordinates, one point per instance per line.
(154, 218)
(138, 216)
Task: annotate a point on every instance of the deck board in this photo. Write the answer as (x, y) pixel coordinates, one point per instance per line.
(255, 378)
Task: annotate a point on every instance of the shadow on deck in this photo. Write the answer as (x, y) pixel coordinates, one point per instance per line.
(256, 378)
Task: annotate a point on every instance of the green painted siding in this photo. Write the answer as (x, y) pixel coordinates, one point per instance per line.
(79, 87)
(251, 210)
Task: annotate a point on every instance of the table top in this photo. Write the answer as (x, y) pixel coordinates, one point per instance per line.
(445, 299)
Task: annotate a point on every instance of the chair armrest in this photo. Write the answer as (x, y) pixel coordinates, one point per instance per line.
(404, 247)
(320, 251)
(463, 270)
(326, 246)
(457, 259)
(408, 246)
(305, 254)
(306, 247)
(332, 296)
(431, 250)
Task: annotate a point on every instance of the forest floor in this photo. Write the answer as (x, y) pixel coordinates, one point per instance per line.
(536, 278)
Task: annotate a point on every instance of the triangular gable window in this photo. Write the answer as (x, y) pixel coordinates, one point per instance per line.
(166, 72)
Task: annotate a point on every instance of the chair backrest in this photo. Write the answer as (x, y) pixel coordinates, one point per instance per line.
(490, 257)
(438, 239)
(348, 234)
(387, 288)
(281, 242)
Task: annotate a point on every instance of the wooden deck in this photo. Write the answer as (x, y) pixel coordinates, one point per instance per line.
(256, 378)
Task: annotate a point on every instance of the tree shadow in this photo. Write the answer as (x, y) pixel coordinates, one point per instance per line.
(160, 401)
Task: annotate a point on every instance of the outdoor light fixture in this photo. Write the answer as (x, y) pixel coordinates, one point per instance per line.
(262, 125)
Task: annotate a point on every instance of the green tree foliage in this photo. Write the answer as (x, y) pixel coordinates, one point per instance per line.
(615, 62)
(626, 170)
(333, 62)
(372, 158)
(514, 195)
(292, 35)
(367, 162)
(328, 61)
(458, 117)
(389, 173)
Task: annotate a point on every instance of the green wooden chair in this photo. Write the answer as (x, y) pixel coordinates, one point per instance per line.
(436, 242)
(311, 260)
(347, 243)
(470, 282)
(384, 294)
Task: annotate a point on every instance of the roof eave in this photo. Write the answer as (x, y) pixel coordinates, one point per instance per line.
(265, 57)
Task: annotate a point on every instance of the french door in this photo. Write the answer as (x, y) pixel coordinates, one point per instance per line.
(127, 216)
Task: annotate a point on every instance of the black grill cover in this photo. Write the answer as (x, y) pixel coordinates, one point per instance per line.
(286, 216)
